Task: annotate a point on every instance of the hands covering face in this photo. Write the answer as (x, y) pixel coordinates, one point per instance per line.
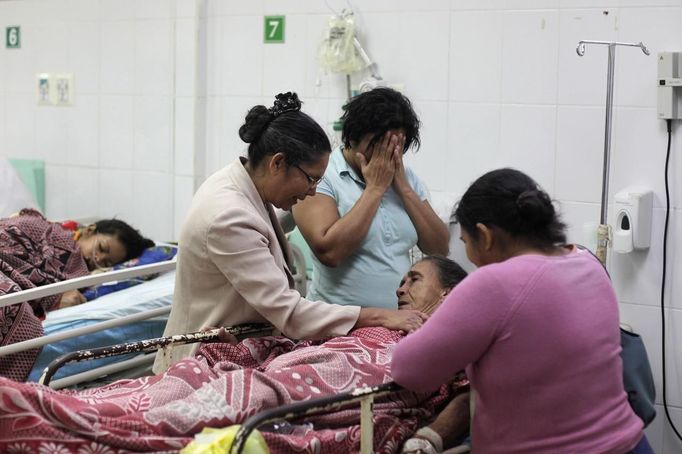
(385, 166)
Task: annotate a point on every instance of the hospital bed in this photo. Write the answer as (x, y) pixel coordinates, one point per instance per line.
(135, 313)
(112, 326)
(149, 295)
(363, 396)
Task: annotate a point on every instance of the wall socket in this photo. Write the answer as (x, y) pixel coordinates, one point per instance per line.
(64, 89)
(44, 89)
(670, 85)
(55, 89)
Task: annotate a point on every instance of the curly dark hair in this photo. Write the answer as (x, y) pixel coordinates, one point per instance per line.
(131, 239)
(376, 112)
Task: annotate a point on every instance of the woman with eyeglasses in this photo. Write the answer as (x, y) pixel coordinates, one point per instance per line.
(370, 210)
(234, 263)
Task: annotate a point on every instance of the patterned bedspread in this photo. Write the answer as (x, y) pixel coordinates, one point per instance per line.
(223, 385)
(33, 252)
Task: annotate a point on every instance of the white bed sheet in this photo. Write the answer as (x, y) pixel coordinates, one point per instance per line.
(154, 293)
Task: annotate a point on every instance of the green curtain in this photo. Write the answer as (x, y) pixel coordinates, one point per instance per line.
(32, 174)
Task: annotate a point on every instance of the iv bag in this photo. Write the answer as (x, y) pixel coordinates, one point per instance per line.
(337, 51)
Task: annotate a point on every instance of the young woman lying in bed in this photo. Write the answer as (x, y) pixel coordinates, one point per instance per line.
(228, 382)
(35, 252)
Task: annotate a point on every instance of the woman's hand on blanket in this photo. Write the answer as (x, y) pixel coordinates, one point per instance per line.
(71, 298)
(223, 335)
(405, 321)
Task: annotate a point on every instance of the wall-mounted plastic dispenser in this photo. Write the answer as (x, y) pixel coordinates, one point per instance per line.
(634, 209)
(670, 85)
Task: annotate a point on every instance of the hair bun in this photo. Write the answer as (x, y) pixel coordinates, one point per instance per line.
(535, 207)
(285, 102)
(255, 123)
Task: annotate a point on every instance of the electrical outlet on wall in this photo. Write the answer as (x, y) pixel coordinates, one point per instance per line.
(64, 88)
(54, 89)
(44, 85)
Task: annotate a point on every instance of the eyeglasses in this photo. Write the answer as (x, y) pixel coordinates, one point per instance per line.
(312, 181)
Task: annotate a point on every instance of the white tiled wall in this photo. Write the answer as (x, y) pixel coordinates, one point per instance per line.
(497, 83)
(116, 144)
(163, 85)
(114, 152)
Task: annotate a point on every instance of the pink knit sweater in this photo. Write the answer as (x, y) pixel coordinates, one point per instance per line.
(539, 339)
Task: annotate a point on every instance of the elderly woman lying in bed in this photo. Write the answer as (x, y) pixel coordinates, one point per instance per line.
(226, 383)
(35, 252)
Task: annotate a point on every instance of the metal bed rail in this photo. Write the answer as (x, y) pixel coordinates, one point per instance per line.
(86, 281)
(81, 282)
(142, 361)
(149, 345)
(299, 410)
(56, 337)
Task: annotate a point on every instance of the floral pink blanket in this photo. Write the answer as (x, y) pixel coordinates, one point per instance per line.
(223, 385)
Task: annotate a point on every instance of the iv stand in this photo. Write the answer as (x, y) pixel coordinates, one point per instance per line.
(603, 233)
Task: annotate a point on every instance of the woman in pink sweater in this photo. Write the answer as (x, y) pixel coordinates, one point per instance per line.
(536, 327)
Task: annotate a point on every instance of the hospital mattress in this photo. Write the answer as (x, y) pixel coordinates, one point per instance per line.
(149, 295)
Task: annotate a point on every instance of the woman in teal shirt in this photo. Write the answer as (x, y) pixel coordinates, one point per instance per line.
(369, 210)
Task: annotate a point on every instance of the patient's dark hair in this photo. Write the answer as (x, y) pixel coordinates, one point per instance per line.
(133, 241)
(513, 201)
(376, 112)
(449, 272)
(283, 128)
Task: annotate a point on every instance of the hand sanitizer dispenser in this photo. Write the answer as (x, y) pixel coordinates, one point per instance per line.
(634, 209)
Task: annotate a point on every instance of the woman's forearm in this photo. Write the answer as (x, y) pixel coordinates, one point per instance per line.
(433, 235)
(346, 234)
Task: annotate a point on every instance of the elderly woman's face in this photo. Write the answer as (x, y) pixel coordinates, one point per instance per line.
(421, 288)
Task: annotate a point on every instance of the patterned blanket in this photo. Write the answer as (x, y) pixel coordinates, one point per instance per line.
(223, 385)
(33, 252)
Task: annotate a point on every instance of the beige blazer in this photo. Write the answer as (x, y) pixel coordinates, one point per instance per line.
(232, 269)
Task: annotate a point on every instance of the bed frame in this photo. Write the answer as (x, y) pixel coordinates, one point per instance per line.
(86, 281)
(299, 410)
(137, 363)
(364, 396)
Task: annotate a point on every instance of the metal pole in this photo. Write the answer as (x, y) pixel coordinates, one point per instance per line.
(366, 425)
(603, 233)
(607, 134)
